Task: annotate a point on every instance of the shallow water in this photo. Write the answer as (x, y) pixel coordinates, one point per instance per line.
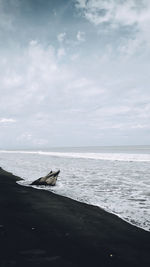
(116, 179)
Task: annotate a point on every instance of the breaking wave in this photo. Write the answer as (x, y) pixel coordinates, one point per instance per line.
(97, 156)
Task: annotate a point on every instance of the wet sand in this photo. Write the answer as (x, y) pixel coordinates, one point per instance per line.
(39, 228)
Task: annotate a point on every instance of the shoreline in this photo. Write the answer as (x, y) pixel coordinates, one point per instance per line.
(102, 208)
(40, 228)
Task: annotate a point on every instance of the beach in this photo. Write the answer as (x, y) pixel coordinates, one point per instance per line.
(39, 228)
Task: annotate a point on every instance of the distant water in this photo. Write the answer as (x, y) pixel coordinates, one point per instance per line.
(114, 178)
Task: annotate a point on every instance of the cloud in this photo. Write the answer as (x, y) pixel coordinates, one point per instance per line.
(81, 86)
(116, 14)
(81, 36)
(7, 120)
(75, 57)
(61, 37)
(55, 100)
(48, 96)
(114, 11)
(31, 140)
(61, 52)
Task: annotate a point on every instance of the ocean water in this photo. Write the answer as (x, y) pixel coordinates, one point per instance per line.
(116, 179)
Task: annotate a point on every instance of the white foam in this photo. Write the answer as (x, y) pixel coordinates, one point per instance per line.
(116, 186)
(98, 156)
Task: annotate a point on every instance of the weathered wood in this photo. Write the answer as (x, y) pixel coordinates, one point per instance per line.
(49, 179)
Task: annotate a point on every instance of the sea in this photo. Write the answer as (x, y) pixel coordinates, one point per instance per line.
(116, 179)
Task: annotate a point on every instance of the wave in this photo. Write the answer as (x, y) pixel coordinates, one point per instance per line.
(85, 155)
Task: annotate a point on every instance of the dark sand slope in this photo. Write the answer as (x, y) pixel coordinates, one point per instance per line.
(38, 228)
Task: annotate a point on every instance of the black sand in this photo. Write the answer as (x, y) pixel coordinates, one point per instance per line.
(38, 228)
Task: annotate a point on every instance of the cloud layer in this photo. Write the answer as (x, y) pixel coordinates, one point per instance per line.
(115, 12)
(86, 83)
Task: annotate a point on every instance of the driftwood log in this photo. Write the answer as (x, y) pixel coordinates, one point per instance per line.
(49, 179)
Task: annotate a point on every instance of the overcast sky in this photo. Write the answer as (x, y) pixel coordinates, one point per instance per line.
(74, 73)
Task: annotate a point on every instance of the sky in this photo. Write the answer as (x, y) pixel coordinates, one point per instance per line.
(74, 73)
